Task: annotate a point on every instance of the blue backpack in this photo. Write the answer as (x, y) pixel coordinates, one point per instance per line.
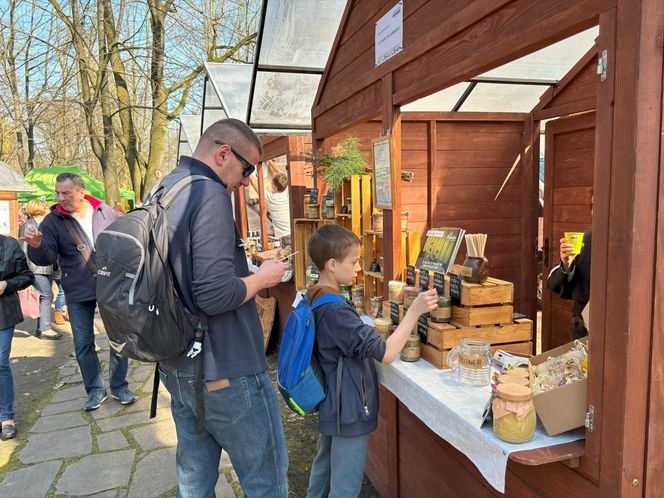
(298, 374)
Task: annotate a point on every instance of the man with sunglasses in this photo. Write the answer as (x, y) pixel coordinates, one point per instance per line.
(241, 409)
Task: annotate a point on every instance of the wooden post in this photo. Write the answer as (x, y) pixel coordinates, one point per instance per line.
(527, 303)
(392, 217)
(241, 212)
(432, 167)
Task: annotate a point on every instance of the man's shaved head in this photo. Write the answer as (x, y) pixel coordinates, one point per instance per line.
(233, 132)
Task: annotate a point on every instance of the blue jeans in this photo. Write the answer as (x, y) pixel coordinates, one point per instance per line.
(44, 285)
(242, 419)
(81, 318)
(338, 469)
(60, 300)
(6, 380)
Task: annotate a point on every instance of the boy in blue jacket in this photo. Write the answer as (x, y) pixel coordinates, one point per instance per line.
(345, 349)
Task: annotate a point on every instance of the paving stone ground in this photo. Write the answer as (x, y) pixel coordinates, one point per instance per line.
(114, 452)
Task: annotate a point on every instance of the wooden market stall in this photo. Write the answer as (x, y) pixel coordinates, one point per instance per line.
(11, 183)
(607, 146)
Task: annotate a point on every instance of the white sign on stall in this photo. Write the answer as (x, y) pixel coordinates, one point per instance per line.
(389, 34)
(5, 218)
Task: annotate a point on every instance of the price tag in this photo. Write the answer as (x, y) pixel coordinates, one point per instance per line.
(424, 279)
(410, 275)
(455, 289)
(439, 282)
(394, 313)
(423, 327)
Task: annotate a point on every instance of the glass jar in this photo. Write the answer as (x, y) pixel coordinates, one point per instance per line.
(357, 294)
(472, 361)
(475, 270)
(514, 416)
(376, 305)
(328, 212)
(345, 291)
(311, 275)
(396, 289)
(313, 211)
(409, 295)
(377, 222)
(411, 350)
(443, 313)
(383, 327)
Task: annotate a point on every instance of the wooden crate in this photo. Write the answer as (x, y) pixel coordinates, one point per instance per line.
(438, 358)
(446, 335)
(482, 315)
(493, 291)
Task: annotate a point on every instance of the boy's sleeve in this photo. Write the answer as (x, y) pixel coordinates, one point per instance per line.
(352, 336)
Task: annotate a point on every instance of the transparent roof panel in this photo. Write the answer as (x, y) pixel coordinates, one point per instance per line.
(185, 150)
(210, 97)
(491, 97)
(283, 99)
(190, 129)
(549, 64)
(299, 32)
(443, 101)
(231, 82)
(212, 116)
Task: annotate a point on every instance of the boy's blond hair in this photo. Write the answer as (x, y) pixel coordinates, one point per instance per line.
(331, 242)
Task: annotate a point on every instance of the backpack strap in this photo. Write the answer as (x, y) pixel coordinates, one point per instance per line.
(340, 369)
(167, 198)
(81, 247)
(327, 299)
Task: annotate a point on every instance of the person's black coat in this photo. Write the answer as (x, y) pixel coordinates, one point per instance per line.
(14, 270)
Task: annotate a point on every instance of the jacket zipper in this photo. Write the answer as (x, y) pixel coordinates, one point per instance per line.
(364, 395)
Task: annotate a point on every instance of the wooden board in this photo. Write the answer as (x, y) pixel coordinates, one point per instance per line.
(447, 336)
(438, 358)
(482, 315)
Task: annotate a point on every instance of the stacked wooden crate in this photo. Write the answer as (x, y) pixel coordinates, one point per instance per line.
(484, 312)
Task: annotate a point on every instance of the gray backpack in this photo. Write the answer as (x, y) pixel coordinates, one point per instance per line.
(138, 302)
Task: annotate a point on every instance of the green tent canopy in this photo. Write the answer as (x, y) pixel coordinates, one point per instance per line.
(43, 181)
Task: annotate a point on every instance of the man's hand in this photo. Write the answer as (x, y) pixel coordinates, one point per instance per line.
(271, 272)
(32, 236)
(3, 286)
(566, 255)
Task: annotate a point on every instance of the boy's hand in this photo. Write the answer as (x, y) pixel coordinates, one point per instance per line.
(566, 255)
(271, 272)
(425, 302)
(32, 236)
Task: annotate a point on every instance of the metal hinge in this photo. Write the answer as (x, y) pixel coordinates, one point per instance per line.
(590, 415)
(602, 65)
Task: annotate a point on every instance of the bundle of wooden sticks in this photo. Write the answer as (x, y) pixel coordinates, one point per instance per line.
(475, 244)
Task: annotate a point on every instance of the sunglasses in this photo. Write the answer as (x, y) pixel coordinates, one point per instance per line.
(248, 167)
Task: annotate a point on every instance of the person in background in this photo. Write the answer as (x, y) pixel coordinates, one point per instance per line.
(60, 316)
(571, 280)
(36, 210)
(349, 412)
(68, 235)
(277, 199)
(15, 275)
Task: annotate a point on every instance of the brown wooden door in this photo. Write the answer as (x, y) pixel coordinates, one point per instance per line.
(568, 178)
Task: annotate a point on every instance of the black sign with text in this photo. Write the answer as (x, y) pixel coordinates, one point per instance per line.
(313, 196)
(424, 279)
(439, 282)
(455, 289)
(423, 327)
(394, 313)
(410, 275)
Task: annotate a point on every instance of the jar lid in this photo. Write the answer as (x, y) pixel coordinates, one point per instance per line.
(377, 299)
(395, 283)
(519, 372)
(443, 299)
(412, 291)
(382, 321)
(514, 392)
(512, 379)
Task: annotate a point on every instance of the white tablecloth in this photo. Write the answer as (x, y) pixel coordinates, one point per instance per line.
(454, 411)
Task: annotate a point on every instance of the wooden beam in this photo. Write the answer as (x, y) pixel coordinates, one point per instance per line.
(241, 212)
(527, 303)
(392, 217)
(261, 203)
(463, 116)
(566, 109)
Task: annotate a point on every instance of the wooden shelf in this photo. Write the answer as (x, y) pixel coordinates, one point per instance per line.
(374, 274)
(558, 453)
(340, 215)
(313, 220)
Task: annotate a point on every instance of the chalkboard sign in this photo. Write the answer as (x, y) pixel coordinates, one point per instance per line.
(422, 327)
(410, 275)
(394, 313)
(313, 196)
(424, 279)
(439, 282)
(455, 289)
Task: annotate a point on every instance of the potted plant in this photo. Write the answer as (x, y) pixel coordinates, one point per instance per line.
(344, 160)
